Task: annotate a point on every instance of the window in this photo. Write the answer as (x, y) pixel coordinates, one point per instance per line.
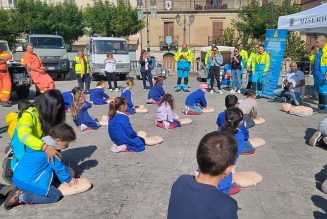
(217, 28)
(12, 3)
(168, 29)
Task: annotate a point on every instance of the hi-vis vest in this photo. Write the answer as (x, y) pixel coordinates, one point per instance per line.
(3, 66)
(187, 54)
(261, 62)
(79, 65)
(323, 60)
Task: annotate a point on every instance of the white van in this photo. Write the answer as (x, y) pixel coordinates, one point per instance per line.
(97, 50)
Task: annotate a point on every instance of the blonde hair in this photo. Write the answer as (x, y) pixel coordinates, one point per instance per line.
(115, 106)
(130, 83)
(76, 107)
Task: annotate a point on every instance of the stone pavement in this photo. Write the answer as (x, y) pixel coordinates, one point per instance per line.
(137, 185)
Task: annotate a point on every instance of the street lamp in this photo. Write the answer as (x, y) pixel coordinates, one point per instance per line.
(185, 23)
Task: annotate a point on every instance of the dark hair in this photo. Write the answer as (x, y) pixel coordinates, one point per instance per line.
(64, 132)
(216, 152)
(250, 93)
(231, 101)
(115, 106)
(233, 117)
(76, 89)
(51, 109)
(169, 99)
(261, 45)
(22, 104)
(159, 80)
(100, 83)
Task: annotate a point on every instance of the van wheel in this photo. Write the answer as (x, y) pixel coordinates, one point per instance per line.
(23, 92)
(122, 77)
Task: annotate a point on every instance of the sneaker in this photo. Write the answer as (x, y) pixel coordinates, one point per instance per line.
(211, 92)
(83, 127)
(324, 187)
(116, 149)
(186, 90)
(220, 92)
(177, 90)
(12, 200)
(239, 91)
(145, 90)
(232, 92)
(324, 139)
(111, 90)
(314, 138)
(117, 89)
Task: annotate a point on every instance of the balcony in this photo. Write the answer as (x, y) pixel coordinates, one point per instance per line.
(168, 43)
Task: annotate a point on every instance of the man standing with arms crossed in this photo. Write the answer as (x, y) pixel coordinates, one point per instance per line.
(5, 80)
(319, 59)
(33, 64)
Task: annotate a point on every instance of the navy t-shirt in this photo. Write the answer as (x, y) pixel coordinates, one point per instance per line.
(190, 199)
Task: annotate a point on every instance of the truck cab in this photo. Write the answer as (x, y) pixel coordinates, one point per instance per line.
(97, 50)
(53, 53)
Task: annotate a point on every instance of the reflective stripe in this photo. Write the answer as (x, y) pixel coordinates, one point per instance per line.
(25, 137)
(5, 92)
(37, 179)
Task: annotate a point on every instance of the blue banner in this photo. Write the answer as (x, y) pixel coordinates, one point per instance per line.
(275, 44)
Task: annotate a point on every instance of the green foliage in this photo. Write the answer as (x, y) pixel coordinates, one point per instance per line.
(295, 47)
(255, 19)
(36, 16)
(8, 30)
(107, 19)
(227, 38)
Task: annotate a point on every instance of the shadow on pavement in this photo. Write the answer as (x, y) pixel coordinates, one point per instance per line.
(320, 202)
(76, 159)
(320, 177)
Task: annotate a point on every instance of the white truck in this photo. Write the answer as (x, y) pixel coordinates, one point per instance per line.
(52, 51)
(97, 50)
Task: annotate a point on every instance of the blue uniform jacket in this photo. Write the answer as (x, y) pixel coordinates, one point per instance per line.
(121, 132)
(34, 173)
(183, 64)
(156, 92)
(83, 117)
(68, 98)
(98, 96)
(221, 120)
(196, 98)
(127, 94)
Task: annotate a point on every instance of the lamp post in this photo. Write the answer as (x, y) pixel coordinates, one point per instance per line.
(185, 23)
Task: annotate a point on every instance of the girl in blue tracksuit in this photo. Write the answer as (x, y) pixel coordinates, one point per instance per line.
(120, 129)
(127, 94)
(33, 174)
(156, 92)
(231, 125)
(80, 114)
(69, 97)
(196, 100)
(98, 96)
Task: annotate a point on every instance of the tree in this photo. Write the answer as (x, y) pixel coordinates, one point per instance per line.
(36, 16)
(106, 19)
(255, 19)
(295, 46)
(9, 31)
(227, 38)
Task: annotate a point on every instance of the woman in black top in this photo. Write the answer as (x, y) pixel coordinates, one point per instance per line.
(236, 60)
(145, 62)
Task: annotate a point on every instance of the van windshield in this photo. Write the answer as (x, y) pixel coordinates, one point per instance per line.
(3, 46)
(48, 42)
(105, 46)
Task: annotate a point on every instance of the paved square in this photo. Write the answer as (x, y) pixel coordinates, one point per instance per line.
(137, 185)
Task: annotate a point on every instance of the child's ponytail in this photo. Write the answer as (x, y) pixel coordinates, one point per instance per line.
(233, 117)
(168, 98)
(115, 106)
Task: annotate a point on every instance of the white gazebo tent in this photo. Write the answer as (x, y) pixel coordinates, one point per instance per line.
(313, 20)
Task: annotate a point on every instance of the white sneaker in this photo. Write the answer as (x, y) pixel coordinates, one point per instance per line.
(117, 89)
(83, 127)
(211, 92)
(232, 92)
(116, 149)
(220, 92)
(110, 90)
(239, 91)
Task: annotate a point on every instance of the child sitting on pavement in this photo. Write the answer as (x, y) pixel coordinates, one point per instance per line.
(165, 117)
(69, 97)
(98, 96)
(198, 197)
(80, 114)
(127, 94)
(250, 109)
(196, 102)
(33, 174)
(156, 92)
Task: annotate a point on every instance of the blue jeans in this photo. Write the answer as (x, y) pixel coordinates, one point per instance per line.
(195, 108)
(237, 79)
(53, 196)
(296, 97)
(84, 82)
(146, 75)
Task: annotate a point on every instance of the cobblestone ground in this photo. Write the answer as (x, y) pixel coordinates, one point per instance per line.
(137, 185)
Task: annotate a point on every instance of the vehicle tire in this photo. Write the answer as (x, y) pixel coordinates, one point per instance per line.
(23, 92)
(122, 77)
(138, 77)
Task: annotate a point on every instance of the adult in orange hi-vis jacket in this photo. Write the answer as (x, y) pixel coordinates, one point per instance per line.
(5, 80)
(40, 78)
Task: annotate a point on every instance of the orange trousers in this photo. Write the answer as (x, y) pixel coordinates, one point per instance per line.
(5, 86)
(42, 81)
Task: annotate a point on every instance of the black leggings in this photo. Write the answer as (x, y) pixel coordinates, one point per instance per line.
(215, 73)
(111, 76)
